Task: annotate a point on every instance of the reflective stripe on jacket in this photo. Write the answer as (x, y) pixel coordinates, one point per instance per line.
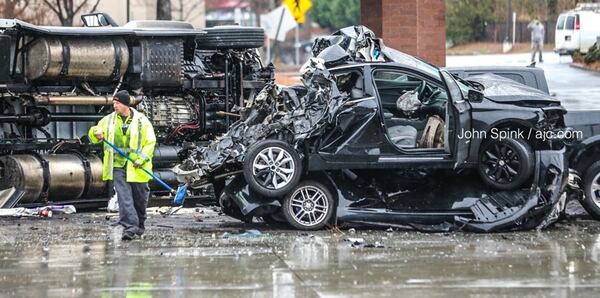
(141, 145)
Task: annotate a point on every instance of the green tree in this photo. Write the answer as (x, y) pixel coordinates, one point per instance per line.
(335, 14)
(466, 19)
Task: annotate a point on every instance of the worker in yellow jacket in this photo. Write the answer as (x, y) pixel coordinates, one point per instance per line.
(131, 131)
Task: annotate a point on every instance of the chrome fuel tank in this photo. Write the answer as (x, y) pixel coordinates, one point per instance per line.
(57, 177)
(100, 59)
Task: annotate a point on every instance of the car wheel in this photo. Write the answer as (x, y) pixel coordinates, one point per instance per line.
(506, 164)
(272, 168)
(309, 206)
(591, 186)
(231, 37)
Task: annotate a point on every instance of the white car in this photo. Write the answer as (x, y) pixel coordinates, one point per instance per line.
(577, 29)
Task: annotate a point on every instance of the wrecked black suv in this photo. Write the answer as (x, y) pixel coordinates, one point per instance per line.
(377, 136)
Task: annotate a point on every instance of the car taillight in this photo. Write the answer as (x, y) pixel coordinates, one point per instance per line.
(577, 26)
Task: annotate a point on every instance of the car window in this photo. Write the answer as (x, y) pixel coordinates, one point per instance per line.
(391, 85)
(391, 76)
(350, 82)
(570, 25)
(560, 24)
(513, 76)
(403, 58)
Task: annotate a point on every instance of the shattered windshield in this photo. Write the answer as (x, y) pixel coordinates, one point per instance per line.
(403, 58)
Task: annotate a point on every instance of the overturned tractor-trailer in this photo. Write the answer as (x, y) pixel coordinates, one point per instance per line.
(55, 82)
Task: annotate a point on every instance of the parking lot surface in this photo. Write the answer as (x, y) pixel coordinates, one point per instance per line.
(200, 252)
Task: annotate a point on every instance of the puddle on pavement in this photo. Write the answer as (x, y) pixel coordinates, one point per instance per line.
(557, 262)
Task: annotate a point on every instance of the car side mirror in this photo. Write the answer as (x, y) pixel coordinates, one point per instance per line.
(475, 96)
(98, 20)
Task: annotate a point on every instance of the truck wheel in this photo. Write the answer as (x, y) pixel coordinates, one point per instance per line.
(506, 164)
(591, 186)
(231, 37)
(309, 206)
(272, 168)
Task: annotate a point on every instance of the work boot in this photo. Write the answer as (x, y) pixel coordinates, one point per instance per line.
(141, 229)
(127, 236)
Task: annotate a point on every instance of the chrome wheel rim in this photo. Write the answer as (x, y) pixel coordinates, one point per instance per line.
(273, 168)
(595, 190)
(308, 206)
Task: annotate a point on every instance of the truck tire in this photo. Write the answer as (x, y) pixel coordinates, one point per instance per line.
(506, 164)
(309, 206)
(272, 168)
(231, 37)
(591, 187)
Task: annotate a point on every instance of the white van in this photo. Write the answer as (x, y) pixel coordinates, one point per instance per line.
(577, 29)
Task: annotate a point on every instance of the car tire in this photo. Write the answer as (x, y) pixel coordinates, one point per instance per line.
(591, 187)
(309, 206)
(506, 164)
(231, 37)
(272, 168)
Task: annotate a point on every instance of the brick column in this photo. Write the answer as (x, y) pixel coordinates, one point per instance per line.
(416, 27)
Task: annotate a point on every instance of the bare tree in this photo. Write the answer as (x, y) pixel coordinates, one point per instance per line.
(24, 10)
(187, 10)
(66, 10)
(13, 8)
(163, 10)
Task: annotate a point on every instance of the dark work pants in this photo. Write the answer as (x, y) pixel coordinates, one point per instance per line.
(133, 200)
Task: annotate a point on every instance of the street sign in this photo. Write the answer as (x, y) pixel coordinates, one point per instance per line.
(298, 8)
(278, 22)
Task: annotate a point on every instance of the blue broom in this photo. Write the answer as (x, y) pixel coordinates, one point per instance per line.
(181, 190)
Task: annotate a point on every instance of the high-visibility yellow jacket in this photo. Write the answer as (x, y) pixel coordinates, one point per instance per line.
(141, 145)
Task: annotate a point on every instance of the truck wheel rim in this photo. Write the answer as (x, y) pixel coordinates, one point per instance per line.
(273, 168)
(308, 206)
(501, 163)
(596, 190)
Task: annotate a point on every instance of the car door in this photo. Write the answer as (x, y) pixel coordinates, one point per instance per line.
(571, 36)
(458, 119)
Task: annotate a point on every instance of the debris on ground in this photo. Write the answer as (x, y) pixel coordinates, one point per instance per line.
(243, 234)
(45, 211)
(355, 241)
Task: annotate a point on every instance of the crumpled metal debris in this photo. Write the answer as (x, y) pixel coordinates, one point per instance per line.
(276, 113)
(290, 114)
(45, 211)
(357, 43)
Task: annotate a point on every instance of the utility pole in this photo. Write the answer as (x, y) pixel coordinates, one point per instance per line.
(508, 19)
(128, 12)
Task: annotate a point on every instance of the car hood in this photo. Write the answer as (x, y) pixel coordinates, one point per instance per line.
(504, 90)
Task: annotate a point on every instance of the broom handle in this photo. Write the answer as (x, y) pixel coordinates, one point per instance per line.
(165, 185)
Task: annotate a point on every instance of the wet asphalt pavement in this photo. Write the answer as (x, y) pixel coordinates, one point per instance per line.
(204, 254)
